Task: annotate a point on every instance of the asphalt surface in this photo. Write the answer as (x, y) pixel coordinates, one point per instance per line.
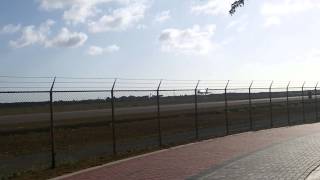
(40, 117)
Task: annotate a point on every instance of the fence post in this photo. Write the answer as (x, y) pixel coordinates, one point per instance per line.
(303, 110)
(158, 115)
(250, 107)
(196, 110)
(53, 153)
(270, 104)
(114, 143)
(316, 101)
(288, 110)
(226, 107)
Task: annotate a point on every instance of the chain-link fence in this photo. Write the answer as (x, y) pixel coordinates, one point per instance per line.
(47, 122)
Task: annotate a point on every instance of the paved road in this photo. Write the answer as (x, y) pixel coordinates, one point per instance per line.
(281, 153)
(39, 117)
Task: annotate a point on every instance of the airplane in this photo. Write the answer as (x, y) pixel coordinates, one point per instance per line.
(203, 91)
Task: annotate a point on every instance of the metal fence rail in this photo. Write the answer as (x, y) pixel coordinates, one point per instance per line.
(214, 105)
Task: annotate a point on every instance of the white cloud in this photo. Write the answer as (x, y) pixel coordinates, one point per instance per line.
(120, 19)
(126, 12)
(62, 4)
(227, 41)
(274, 10)
(51, 5)
(284, 7)
(41, 35)
(67, 39)
(313, 54)
(242, 27)
(141, 26)
(56, 4)
(29, 36)
(239, 24)
(272, 20)
(32, 35)
(195, 40)
(10, 29)
(213, 7)
(96, 50)
(79, 14)
(75, 11)
(163, 16)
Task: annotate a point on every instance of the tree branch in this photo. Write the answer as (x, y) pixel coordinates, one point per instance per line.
(235, 5)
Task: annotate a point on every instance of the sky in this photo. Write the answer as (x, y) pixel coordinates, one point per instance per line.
(182, 39)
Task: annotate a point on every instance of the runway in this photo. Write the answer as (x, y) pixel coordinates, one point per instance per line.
(58, 116)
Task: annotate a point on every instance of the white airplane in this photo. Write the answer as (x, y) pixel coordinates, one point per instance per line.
(204, 91)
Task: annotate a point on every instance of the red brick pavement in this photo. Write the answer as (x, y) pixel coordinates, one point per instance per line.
(188, 160)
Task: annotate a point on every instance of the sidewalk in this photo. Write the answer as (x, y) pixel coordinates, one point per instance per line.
(281, 153)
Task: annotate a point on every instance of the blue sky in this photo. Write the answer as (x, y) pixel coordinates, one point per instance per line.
(189, 39)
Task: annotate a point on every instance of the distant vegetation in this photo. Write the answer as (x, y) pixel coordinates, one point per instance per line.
(127, 101)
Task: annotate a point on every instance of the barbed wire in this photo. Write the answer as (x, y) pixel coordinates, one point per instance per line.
(31, 82)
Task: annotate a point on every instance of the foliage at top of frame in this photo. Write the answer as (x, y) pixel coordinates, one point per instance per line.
(236, 5)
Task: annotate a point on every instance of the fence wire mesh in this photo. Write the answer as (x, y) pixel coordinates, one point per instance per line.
(47, 121)
(24, 138)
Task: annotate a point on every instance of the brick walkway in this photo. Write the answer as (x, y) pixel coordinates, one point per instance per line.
(282, 153)
(294, 159)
